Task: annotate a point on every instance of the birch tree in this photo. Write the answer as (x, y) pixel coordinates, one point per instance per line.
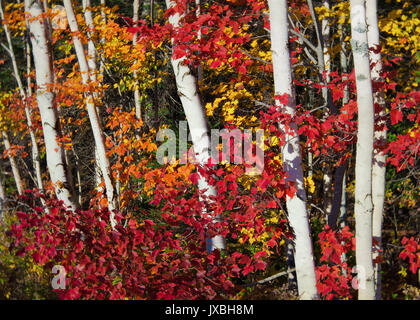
(364, 150)
(193, 107)
(325, 31)
(292, 159)
(3, 199)
(92, 112)
(15, 169)
(41, 48)
(93, 70)
(137, 102)
(338, 209)
(380, 135)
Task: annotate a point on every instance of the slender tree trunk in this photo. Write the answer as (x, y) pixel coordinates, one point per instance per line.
(363, 189)
(320, 51)
(339, 200)
(2, 199)
(91, 60)
(325, 26)
(292, 159)
(137, 101)
(41, 46)
(333, 216)
(325, 32)
(102, 65)
(15, 169)
(323, 58)
(155, 97)
(78, 176)
(91, 46)
(93, 115)
(35, 150)
(199, 67)
(342, 218)
(380, 137)
(197, 121)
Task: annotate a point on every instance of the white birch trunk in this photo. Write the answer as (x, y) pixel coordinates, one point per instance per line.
(380, 136)
(325, 30)
(91, 60)
(364, 150)
(91, 46)
(2, 199)
(46, 101)
(292, 159)
(137, 102)
(13, 164)
(92, 112)
(197, 120)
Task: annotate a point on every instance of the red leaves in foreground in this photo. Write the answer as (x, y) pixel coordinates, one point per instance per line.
(334, 277)
(412, 252)
(151, 257)
(141, 260)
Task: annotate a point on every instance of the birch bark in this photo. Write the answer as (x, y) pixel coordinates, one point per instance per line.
(13, 164)
(2, 199)
(137, 102)
(92, 112)
(364, 150)
(91, 60)
(42, 53)
(292, 159)
(380, 136)
(197, 120)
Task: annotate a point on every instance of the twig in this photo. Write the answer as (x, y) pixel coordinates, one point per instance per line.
(277, 275)
(256, 58)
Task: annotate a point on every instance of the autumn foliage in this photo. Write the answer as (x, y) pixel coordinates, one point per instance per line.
(159, 247)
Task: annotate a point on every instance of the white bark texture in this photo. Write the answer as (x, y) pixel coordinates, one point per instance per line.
(292, 159)
(92, 112)
(137, 102)
(197, 120)
(325, 30)
(380, 135)
(91, 46)
(364, 150)
(3, 199)
(46, 101)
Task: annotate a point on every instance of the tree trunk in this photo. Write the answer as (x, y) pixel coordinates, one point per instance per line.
(364, 150)
(15, 169)
(338, 211)
(380, 137)
(292, 159)
(320, 54)
(42, 52)
(325, 31)
(92, 112)
(2, 199)
(91, 60)
(137, 102)
(334, 214)
(197, 121)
